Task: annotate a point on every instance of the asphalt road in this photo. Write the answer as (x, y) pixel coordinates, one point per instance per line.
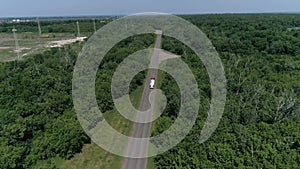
(142, 130)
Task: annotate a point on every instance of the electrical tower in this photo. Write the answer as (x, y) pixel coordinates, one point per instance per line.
(39, 26)
(17, 43)
(95, 29)
(78, 29)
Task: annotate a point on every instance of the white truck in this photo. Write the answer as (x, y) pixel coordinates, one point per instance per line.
(152, 83)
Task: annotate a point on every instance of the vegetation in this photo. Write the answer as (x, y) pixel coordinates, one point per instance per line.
(93, 156)
(38, 125)
(56, 25)
(260, 125)
(37, 119)
(53, 30)
(259, 128)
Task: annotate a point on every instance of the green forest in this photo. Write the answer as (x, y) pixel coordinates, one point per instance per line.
(38, 123)
(260, 125)
(259, 128)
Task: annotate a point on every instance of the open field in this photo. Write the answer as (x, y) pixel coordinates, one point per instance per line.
(52, 31)
(31, 43)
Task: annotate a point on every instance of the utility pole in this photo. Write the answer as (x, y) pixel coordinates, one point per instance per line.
(16, 42)
(39, 26)
(95, 29)
(78, 29)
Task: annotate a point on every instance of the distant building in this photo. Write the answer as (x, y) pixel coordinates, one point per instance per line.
(20, 20)
(16, 20)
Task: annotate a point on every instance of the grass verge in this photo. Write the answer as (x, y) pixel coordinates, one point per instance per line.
(93, 156)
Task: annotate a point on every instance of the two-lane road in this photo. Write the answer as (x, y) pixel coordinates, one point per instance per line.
(142, 130)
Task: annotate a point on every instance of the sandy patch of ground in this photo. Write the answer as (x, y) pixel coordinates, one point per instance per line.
(4, 48)
(163, 55)
(61, 43)
(23, 48)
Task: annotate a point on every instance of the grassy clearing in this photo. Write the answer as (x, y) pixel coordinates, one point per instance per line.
(7, 55)
(160, 76)
(29, 43)
(150, 163)
(94, 157)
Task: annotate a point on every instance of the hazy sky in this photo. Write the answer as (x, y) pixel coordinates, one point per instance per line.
(13, 8)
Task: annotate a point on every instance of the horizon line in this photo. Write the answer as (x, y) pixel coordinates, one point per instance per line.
(116, 15)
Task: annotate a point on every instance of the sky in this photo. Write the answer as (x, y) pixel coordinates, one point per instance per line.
(26, 8)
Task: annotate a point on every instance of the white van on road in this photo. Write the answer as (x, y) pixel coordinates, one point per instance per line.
(152, 83)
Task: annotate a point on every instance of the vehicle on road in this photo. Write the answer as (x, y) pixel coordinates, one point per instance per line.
(152, 83)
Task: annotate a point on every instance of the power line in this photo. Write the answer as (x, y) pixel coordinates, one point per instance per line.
(78, 29)
(95, 29)
(16, 42)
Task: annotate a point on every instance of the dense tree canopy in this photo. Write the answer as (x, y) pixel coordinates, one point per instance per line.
(259, 128)
(37, 119)
(260, 125)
